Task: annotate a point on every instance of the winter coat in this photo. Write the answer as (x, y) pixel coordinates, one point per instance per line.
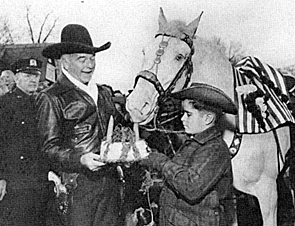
(197, 179)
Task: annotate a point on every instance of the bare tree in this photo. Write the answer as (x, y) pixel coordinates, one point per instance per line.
(45, 30)
(233, 50)
(6, 36)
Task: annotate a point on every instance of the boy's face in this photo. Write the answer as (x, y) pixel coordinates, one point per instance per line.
(194, 121)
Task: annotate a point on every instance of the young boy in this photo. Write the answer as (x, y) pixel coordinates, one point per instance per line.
(199, 176)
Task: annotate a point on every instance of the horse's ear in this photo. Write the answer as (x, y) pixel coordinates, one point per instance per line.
(162, 20)
(193, 26)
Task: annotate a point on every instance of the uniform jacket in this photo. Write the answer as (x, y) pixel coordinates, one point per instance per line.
(21, 161)
(196, 180)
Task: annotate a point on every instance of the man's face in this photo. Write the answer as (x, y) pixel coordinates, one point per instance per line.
(7, 77)
(27, 82)
(80, 65)
(169, 106)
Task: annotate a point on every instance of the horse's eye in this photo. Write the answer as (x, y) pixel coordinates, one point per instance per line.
(179, 57)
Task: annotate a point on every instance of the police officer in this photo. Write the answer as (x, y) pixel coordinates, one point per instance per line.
(23, 172)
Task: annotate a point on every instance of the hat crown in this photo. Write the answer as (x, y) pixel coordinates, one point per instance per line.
(209, 95)
(76, 33)
(26, 64)
(75, 38)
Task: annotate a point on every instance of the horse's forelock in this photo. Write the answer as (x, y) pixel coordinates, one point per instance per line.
(175, 28)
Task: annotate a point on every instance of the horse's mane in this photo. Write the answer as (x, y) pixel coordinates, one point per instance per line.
(177, 28)
(210, 62)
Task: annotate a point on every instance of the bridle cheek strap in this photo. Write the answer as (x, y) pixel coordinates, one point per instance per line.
(187, 69)
(152, 78)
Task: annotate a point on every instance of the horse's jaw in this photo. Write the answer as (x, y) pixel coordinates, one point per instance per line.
(138, 117)
(142, 102)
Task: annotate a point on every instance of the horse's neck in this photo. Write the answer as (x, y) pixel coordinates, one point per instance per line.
(211, 66)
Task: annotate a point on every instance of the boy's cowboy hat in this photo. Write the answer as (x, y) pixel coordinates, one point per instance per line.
(209, 95)
(74, 39)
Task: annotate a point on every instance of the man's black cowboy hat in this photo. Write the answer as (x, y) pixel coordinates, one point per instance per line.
(74, 39)
(209, 95)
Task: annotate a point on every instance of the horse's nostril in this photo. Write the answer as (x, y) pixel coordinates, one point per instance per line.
(143, 106)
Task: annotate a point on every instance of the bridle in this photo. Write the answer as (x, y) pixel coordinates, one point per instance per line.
(186, 70)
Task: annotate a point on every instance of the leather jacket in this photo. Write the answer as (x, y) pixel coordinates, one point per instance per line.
(71, 124)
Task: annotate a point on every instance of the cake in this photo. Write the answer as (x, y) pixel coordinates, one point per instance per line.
(123, 145)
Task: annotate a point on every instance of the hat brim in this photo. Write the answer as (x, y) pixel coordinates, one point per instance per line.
(209, 95)
(55, 51)
(31, 71)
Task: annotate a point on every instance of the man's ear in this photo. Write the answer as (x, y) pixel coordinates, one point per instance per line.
(209, 118)
(64, 61)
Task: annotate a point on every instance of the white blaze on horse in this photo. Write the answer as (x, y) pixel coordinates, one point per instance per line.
(176, 58)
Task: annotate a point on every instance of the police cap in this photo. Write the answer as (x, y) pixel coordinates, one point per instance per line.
(30, 66)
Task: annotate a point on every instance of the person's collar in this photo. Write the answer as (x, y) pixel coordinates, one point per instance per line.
(19, 90)
(75, 81)
(206, 135)
(90, 89)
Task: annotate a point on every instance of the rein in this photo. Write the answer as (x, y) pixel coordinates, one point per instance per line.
(158, 126)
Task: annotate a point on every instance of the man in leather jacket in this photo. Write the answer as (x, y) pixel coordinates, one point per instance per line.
(23, 167)
(73, 115)
(199, 176)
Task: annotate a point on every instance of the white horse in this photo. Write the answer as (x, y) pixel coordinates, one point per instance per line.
(166, 68)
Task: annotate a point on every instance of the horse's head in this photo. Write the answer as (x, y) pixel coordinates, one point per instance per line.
(166, 67)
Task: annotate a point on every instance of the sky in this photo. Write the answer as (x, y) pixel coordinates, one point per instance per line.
(265, 28)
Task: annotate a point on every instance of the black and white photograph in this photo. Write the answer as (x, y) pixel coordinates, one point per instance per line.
(147, 113)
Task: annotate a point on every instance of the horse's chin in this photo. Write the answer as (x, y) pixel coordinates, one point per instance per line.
(148, 119)
(143, 119)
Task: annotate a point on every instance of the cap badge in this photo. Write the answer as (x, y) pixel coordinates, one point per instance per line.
(33, 62)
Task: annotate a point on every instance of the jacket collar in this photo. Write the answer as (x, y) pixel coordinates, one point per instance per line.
(206, 135)
(65, 81)
(20, 93)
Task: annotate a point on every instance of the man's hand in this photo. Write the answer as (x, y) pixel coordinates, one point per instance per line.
(2, 189)
(91, 161)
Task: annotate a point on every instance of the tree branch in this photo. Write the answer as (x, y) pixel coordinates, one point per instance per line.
(30, 26)
(50, 30)
(42, 26)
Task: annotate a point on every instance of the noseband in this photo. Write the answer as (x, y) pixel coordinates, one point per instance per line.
(186, 69)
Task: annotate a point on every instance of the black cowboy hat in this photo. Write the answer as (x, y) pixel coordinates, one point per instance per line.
(74, 39)
(209, 95)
